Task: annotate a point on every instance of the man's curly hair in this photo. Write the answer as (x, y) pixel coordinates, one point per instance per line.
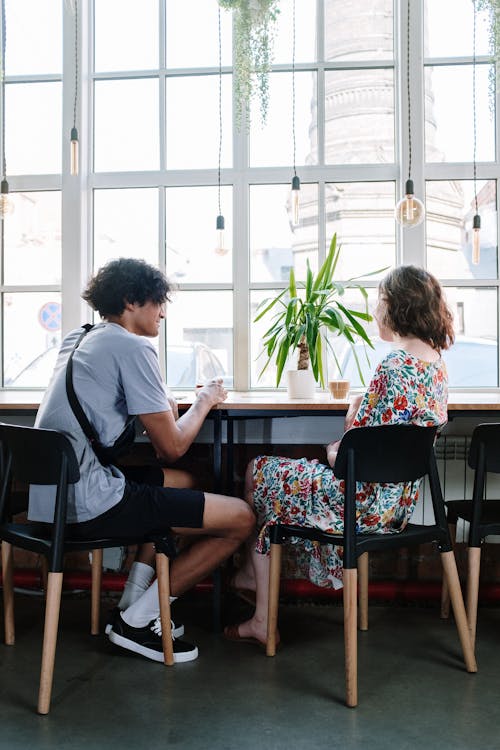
(415, 306)
(126, 280)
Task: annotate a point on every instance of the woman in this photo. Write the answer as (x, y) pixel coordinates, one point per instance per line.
(409, 385)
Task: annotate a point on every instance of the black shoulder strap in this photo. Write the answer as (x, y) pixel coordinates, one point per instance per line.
(70, 391)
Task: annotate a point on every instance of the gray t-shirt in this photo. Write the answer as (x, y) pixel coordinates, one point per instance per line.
(115, 375)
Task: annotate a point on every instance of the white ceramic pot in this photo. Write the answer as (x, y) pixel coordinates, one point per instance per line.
(301, 384)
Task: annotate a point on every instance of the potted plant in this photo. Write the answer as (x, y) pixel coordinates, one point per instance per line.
(301, 321)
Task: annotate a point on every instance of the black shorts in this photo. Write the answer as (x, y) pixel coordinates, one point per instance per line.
(146, 508)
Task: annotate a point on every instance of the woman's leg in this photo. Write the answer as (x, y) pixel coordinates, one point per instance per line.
(254, 574)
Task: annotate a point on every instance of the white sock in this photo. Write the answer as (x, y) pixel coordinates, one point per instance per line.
(138, 581)
(144, 609)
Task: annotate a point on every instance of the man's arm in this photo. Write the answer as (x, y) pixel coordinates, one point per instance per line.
(171, 438)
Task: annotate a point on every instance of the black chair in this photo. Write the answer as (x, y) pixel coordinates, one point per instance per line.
(483, 515)
(35, 456)
(395, 453)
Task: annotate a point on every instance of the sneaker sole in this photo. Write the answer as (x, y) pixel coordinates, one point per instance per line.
(177, 632)
(150, 653)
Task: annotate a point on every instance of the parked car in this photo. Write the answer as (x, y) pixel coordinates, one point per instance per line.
(471, 362)
(187, 366)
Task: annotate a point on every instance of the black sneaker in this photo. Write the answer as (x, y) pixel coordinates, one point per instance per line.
(147, 641)
(177, 630)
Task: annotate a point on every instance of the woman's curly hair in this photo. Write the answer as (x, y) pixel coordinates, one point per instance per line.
(415, 306)
(126, 280)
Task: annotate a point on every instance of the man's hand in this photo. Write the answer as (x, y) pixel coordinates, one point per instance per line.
(213, 391)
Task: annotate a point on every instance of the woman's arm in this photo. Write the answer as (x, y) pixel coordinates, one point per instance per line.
(333, 448)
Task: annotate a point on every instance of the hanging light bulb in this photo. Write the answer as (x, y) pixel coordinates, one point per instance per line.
(220, 248)
(295, 200)
(476, 239)
(74, 152)
(74, 156)
(409, 211)
(6, 204)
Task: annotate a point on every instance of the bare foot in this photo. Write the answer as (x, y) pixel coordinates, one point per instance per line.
(250, 629)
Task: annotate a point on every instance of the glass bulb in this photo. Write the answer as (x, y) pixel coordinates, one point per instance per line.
(295, 200)
(6, 202)
(476, 240)
(220, 248)
(409, 211)
(74, 152)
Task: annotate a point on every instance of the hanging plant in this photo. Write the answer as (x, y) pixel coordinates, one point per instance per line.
(254, 29)
(492, 7)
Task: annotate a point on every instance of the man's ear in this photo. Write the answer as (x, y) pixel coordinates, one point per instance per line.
(128, 305)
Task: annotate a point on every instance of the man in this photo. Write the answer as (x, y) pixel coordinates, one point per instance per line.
(115, 375)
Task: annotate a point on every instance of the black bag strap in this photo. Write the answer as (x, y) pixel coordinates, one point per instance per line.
(84, 423)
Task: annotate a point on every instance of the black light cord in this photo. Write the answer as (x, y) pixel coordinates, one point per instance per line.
(293, 87)
(408, 87)
(4, 42)
(220, 114)
(75, 100)
(474, 102)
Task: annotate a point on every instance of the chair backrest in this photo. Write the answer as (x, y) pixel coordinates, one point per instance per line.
(487, 436)
(389, 453)
(30, 455)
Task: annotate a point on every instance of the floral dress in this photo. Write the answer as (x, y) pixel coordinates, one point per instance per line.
(301, 492)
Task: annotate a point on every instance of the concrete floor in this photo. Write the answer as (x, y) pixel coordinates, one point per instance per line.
(413, 689)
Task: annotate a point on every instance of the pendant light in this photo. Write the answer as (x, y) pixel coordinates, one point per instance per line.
(476, 221)
(6, 204)
(74, 157)
(220, 247)
(409, 211)
(295, 195)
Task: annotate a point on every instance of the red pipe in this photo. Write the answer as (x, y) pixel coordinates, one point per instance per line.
(404, 591)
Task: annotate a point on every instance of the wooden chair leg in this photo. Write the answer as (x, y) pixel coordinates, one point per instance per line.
(274, 592)
(8, 594)
(351, 635)
(163, 576)
(52, 607)
(445, 594)
(363, 577)
(95, 594)
(473, 567)
(457, 603)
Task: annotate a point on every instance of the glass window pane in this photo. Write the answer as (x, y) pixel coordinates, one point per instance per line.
(473, 359)
(122, 41)
(275, 245)
(305, 33)
(193, 122)
(359, 30)
(438, 16)
(450, 206)
(362, 215)
(200, 47)
(199, 338)
(258, 358)
(126, 125)
(32, 334)
(359, 104)
(192, 246)
(32, 239)
(33, 43)
(125, 225)
(444, 141)
(272, 145)
(33, 113)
